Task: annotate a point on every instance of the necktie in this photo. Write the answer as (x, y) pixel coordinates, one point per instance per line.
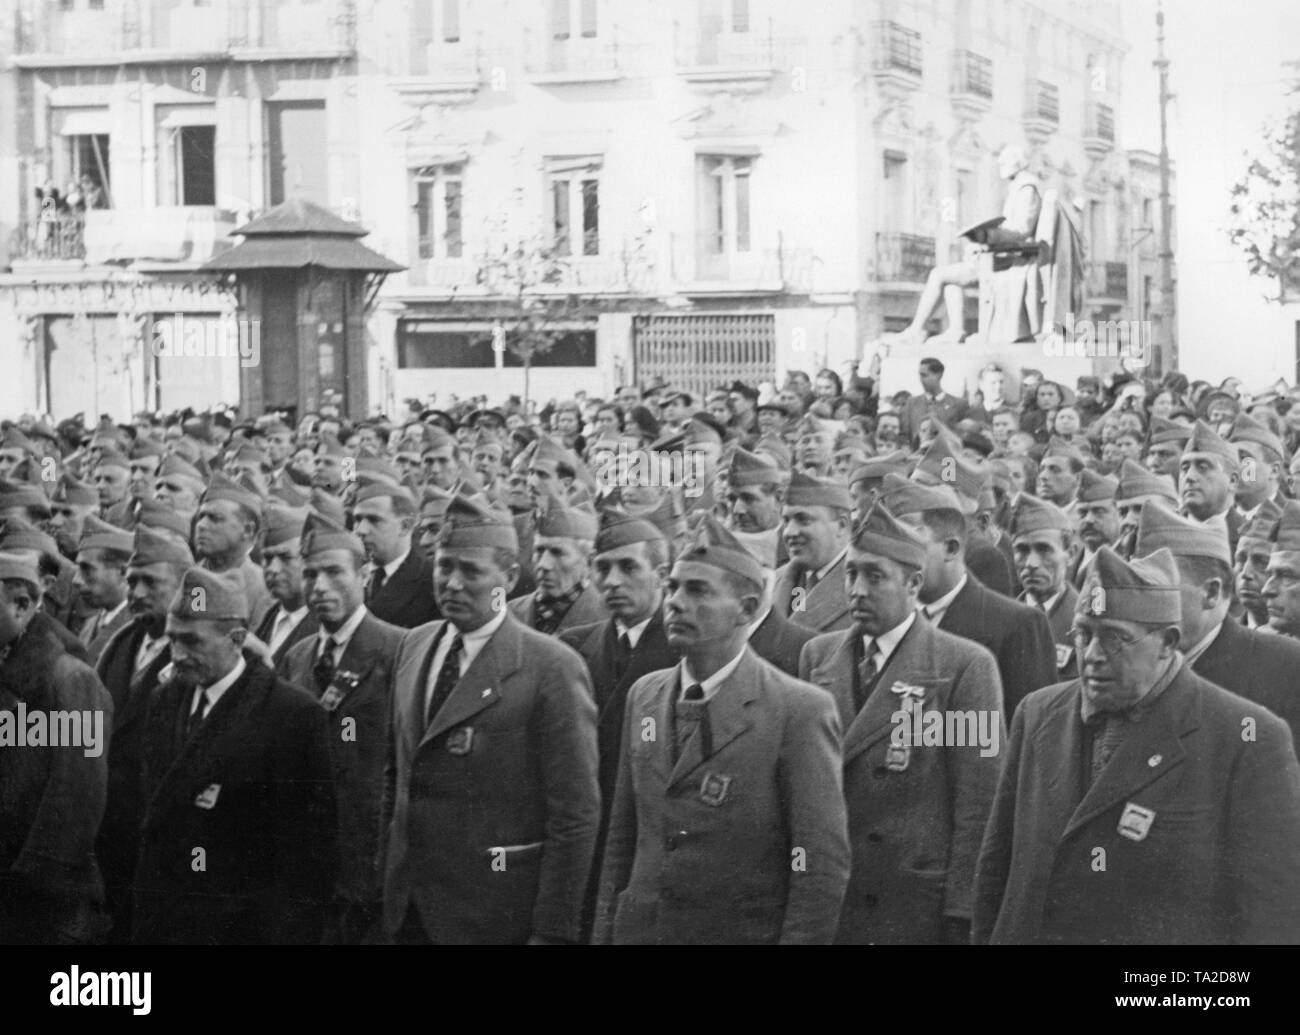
(323, 670)
(377, 580)
(1106, 736)
(866, 676)
(622, 655)
(694, 692)
(448, 677)
(197, 715)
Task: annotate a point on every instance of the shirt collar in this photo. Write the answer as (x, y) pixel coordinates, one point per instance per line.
(1050, 602)
(823, 572)
(1192, 654)
(710, 685)
(753, 626)
(888, 641)
(484, 632)
(390, 569)
(936, 608)
(110, 615)
(213, 693)
(633, 632)
(344, 633)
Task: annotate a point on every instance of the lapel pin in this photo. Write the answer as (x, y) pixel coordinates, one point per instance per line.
(487, 691)
(1155, 760)
(1136, 821)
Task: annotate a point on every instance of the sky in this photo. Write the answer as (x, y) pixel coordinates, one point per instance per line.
(1228, 74)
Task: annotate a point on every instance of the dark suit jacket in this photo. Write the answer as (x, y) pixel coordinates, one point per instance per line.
(1018, 636)
(305, 629)
(494, 806)
(406, 599)
(778, 641)
(598, 646)
(825, 608)
(358, 712)
(118, 844)
(253, 789)
(43, 625)
(52, 800)
(586, 609)
(1261, 667)
(1221, 828)
(96, 643)
(705, 850)
(1061, 620)
(989, 564)
(948, 408)
(915, 832)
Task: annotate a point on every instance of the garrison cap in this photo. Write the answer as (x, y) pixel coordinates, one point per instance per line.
(881, 533)
(1160, 526)
(1144, 590)
(210, 595)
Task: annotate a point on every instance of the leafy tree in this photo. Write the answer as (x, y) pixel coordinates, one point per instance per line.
(1265, 210)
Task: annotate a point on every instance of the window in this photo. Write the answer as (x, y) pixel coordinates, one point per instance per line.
(187, 164)
(296, 151)
(438, 212)
(966, 199)
(574, 200)
(576, 348)
(88, 166)
(725, 203)
(449, 30)
(567, 13)
(428, 344)
(893, 217)
(1096, 228)
(901, 48)
(1148, 215)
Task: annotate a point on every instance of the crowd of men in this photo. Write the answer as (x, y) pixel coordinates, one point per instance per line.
(797, 666)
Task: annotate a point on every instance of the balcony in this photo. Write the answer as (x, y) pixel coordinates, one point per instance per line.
(905, 258)
(585, 275)
(972, 84)
(442, 73)
(1042, 110)
(189, 234)
(700, 268)
(61, 239)
(897, 63)
(706, 55)
(1108, 281)
(556, 60)
(153, 31)
(1099, 130)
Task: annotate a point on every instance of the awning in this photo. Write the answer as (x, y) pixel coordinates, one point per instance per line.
(299, 253)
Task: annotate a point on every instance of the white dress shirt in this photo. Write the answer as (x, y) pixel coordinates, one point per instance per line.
(938, 608)
(471, 644)
(341, 636)
(710, 685)
(887, 642)
(285, 623)
(213, 693)
(634, 632)
(150, 647)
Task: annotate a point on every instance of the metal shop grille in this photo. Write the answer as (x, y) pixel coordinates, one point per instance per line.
(697, 353)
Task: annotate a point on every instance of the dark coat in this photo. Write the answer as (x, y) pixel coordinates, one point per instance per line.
(358, 712)
(43, 625)
(96, 642)
(1215, 864)
(948, 408)
(253, 789)
(1261, 667)
(1061, 620)
(406, 599)
(598, 646)
(495, 805)
(1018, 636)
(825, 608)
(305, 629)
(778, 641)
(989, 564)
(705, 850)
(118, 843)
(588, 608)
(52, 800)
(915, 832)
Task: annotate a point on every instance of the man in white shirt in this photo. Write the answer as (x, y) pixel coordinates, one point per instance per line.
(289, 619)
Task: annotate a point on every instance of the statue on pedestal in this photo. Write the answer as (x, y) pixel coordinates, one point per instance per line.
(1027, 264)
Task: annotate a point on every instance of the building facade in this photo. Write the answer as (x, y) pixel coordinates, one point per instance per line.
(696, 190)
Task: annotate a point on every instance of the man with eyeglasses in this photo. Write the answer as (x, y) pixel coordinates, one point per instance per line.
(1141, 803)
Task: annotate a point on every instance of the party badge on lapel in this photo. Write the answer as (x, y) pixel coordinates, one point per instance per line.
(207, 799)
(1064, 652)
(460, 740)
(333, 697)
(1136, 821)
(898, 757)
(713, 789)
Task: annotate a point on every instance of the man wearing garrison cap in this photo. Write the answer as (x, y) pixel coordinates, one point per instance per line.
(631, 559)
(346, 663)
(1262, 465)
(399, 589)
(1261, 668)
(179, 485)
(565, 597)
(1139, 788)
(1135, 485)
(1096, 520)
(492, 797)
(815, 521)
(101, 583)
(289, 619)
(1059, 473)
(237, 761)
(70, 505)
(131, 666)
(53, 791)
(225, 530)
(1041, 536)
(1165, 442)
(110, 476)
(1281, 589)
(1209, 473)
(864, 481)
(1018, 636)
(935, 798)
(741, 776)
(755, 492)
(1250, 564)
(56, 573)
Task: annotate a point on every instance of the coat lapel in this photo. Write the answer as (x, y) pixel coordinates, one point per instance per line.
(480, 686)
(358, 658)
(727, 717)
(826, 601)
(912, 659)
